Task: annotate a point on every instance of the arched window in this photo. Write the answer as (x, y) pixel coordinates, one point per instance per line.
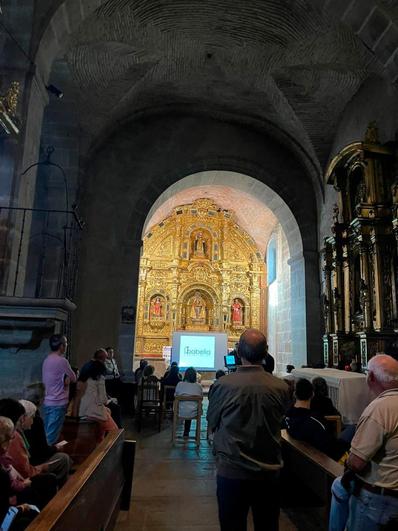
(271, 260)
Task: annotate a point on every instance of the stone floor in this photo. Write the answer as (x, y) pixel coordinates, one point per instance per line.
(174, 488)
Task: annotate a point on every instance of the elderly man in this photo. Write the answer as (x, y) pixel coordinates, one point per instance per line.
(368, 492)
(245, 413)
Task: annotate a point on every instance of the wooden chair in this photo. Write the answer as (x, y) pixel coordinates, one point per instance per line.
(176, 416)
(167, 398)
(149, 401)
(335, 420)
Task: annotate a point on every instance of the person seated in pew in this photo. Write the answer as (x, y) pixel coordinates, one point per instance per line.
(148, 374)
(22, 413)
(38, 488)
(321, 403)
(100, 355)
(25, 514)
(171, 378)
(188, 387)
(139, 371)
(40, 451)
(94, 401)
(305, 425)
(59, 463)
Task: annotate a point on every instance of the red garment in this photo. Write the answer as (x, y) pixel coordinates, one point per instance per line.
(16, 480)
(20, 457)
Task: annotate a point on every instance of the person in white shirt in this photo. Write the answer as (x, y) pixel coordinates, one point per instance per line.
(188, 387)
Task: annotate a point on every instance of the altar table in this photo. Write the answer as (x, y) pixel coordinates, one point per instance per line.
(348, 390)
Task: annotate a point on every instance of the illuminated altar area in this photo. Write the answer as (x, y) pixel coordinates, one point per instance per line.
(199, 271)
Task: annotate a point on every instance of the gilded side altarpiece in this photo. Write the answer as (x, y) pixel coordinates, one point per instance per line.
(199, 271)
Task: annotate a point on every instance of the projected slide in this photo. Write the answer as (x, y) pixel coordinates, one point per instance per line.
(203, 351)
(197, 351)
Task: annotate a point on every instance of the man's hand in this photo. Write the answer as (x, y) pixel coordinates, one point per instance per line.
(355, 463)
(24, 507)
(27, 482)
(42, 468)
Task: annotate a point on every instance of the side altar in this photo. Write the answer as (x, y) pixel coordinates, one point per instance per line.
(199, 271)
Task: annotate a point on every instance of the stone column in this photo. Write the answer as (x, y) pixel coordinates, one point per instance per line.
(36, 98)
(298, 287)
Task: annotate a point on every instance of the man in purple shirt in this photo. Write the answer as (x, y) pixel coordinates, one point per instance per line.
(57, 375)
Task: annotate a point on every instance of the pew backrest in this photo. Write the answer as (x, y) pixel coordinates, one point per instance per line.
(93, 496)
(315, 469)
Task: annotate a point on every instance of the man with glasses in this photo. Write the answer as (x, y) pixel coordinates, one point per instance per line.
(367, 494)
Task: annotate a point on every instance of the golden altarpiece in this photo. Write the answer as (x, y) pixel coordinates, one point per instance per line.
(199, 271)
(360, 257)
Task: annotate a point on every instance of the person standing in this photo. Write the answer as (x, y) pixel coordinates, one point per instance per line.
(57, 375)
(367, 494)
(245, 413)
(113, 383)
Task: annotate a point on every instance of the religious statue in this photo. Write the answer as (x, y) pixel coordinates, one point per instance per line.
(236, 312)
(157, 308)
(336, 212)
(198, 308)
(200, 245)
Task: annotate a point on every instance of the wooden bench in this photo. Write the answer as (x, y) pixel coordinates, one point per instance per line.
(93, 496)
(310, 468)
(82, 436)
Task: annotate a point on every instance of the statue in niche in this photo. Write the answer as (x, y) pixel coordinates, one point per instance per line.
(336, 212)
(200, 245)
(237, 312)
(156, 308)
(198, 308)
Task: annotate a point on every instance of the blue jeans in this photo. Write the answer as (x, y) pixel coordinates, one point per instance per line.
(339, 507)
(369, 511)
(54, 417)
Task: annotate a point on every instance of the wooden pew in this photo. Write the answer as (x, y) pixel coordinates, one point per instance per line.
(310, 468)
(93, 496)
(82, 436)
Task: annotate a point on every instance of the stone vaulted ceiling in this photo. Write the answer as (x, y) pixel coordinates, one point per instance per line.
(270, 60)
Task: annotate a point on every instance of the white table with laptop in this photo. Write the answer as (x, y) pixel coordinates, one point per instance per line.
(348, 390)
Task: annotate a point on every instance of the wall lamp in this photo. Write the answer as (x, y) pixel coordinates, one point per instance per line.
(55, 91)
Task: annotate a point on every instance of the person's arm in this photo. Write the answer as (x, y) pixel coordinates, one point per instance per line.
(215, 408)
(69, 372)
(368, 439)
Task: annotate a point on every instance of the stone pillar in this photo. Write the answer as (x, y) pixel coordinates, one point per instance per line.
(299, 327)
(311, 317)
(36, 98)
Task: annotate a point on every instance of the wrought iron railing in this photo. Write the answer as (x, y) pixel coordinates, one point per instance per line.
(39, 252)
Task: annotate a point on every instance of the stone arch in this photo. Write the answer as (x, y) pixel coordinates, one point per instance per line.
(185, 145)
(245, 183)
(272, 200)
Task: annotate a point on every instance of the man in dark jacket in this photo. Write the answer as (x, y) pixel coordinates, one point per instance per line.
(245, 413)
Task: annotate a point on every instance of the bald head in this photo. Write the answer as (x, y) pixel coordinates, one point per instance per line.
(252, 346)
(383, 372)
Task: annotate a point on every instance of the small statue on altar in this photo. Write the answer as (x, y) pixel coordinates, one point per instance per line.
(200, 245)
(198, 308)
(237, 312)
(157, 308)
